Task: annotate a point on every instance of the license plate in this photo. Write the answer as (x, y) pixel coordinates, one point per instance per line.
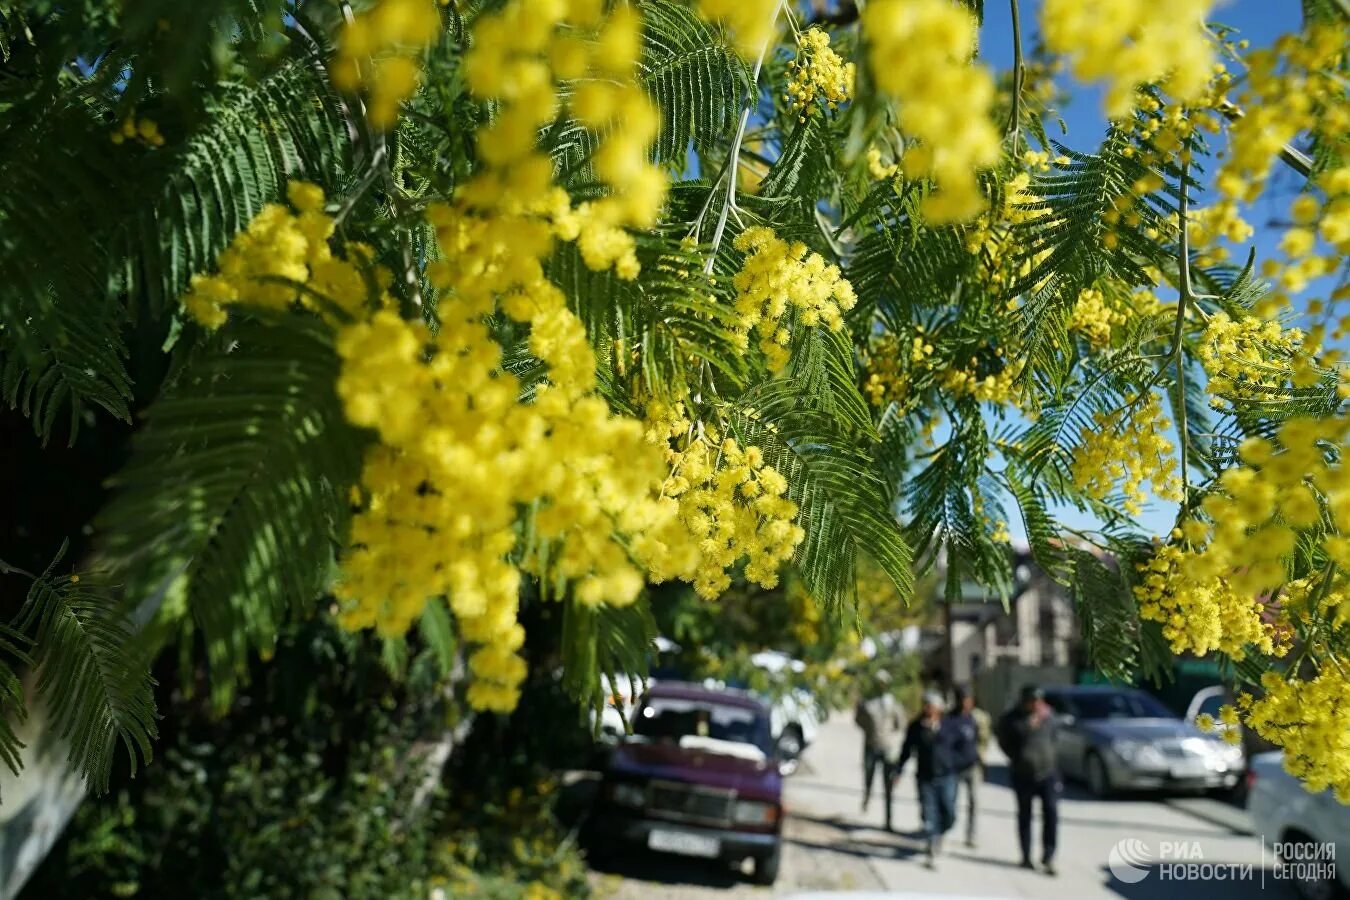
(1191, 768)
(684, 843)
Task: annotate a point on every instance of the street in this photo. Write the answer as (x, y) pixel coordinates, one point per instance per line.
(831, 846)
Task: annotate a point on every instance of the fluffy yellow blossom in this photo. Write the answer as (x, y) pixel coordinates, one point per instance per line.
(1093, 317)
(1306, 717)
(1246, 358)
(277, 254)
(732, 503)
(920, 53)
(877, 167)
(1258, 507)
(777, 277)
(1200, 614)
(749, 23)
(1001, 387)
(146, 131)
(1127, 448)
(992, 236)
(377, 54)
(817, 73)
(1130, 43)
(1291, 88)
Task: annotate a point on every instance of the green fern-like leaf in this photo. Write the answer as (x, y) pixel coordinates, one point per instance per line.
(698, 82)
(98, 690)
(13, 710)
(815, 428)
(236, 489)
(80, 362)
(601, 643)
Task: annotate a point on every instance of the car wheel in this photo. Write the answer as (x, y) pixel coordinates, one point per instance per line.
(1312, 888)
(1098, 778)
(766, 867)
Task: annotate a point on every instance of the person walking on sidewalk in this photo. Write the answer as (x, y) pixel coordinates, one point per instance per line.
(1028, 735)
(977, 726)
(882, 720)
(941, 748)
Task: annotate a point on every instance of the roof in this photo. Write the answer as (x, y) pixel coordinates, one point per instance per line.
(683, 690)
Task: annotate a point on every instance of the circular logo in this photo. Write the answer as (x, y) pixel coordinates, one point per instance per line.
(1129, 860)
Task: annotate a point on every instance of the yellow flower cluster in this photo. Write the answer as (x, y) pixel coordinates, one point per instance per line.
(732, 503)
(777, 275)
(749, 23)
(1199, 615)
(1280, 488)
(279, 253)
(1125, 209)
(920, 53)
(517, 53)
(1291, 88)
(817, 74)
(1130, 43)
(1241, 357)
(459, 455)
(1128, 446)
(1162, 128)
(877, 167)
(144, 130)
(1307, 718)
(460, 452)
(891, 362)
(1094, 316)
(1211, 224)
(1326, 217)
(1002, 387)
(378, 50)
(612, 103)
(991, 235)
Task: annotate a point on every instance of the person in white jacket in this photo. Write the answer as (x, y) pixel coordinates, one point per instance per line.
(882, 720)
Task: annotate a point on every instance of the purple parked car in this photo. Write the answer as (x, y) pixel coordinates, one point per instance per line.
(697, 778)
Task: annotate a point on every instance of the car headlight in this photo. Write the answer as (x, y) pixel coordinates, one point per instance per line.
(1137, 752)
(754, 812)
(626, 794)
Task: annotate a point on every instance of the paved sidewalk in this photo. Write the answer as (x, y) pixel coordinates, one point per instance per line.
(828, 791)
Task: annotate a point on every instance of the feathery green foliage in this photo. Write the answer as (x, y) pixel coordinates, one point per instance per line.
(97, 692)
(234, 499)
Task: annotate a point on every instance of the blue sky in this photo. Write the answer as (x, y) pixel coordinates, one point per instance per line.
(1260, 22)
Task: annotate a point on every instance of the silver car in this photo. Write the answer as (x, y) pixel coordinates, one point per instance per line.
(1121, 739)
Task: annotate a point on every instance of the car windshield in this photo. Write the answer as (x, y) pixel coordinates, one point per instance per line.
(1119, 705)
(670, 718)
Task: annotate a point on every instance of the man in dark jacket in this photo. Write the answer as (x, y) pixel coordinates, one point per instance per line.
(941, 749)
(1028, 736)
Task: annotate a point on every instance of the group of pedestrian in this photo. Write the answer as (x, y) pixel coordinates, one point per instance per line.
(948, 745)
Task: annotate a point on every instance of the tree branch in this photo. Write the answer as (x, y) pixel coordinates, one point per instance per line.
(1019, 74)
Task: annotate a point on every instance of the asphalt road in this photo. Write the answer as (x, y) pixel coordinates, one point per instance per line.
(1196, 848)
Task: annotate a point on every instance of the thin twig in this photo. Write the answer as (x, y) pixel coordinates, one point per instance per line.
(1183, 300)
(1019, 73)
(750, 102)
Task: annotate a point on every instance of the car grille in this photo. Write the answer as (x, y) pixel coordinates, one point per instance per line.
(690, 803)
(1174, 750)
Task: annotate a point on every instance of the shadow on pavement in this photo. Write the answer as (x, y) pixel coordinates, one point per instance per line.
(643, 865)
